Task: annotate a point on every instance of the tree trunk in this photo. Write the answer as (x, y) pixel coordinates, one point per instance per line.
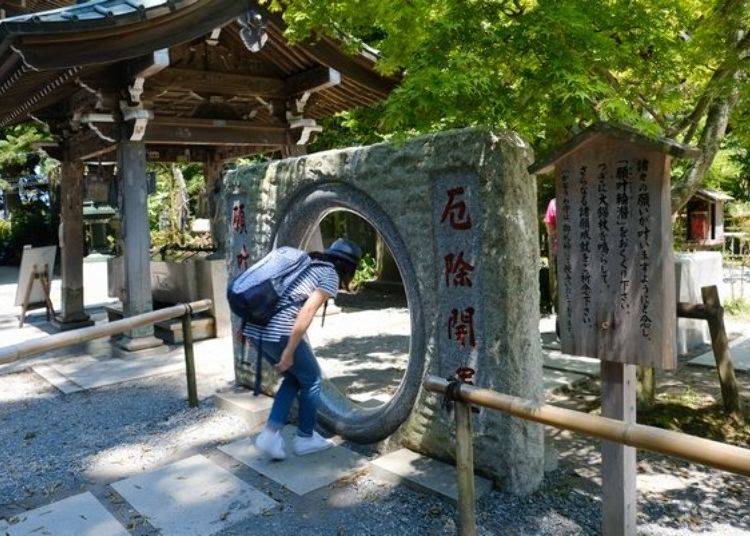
(717, 120)
(646, 388)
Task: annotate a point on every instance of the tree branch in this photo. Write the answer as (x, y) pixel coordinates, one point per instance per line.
(713, 133)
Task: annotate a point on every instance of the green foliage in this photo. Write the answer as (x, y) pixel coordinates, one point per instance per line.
(35, 226)
(16, 143)
(5, 232)
(366, 271)
(162, 202)
(737, 307)
(541, 67)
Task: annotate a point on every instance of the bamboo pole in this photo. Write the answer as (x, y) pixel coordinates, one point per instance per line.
(187, 340)
(22, 350)
(467, 521)
(691, 448)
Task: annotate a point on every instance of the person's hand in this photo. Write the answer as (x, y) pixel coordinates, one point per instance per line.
(286, 362)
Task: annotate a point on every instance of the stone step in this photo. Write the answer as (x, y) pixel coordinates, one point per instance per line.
(170, 331)
(299, 474)
(424, 474)
(254, 410)
(56, 379)
(194, 496)
(80, 514)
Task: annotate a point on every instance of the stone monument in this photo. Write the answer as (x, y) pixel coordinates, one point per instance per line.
(458, 211)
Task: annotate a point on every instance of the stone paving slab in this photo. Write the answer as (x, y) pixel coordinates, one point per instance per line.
(79, 515)
(559, 379)
(406, 467)
(98, 368)
(92, 373)
(56, 379)
(572, 363)
(740, 350)
(193, 496)
(299, 474)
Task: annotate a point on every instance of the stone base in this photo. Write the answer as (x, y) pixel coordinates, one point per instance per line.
(69, 324)
(254, 410)
(424, 474)
(139, 347)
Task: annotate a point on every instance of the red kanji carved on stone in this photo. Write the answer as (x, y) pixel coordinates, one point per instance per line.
(238, 218)
(457, 270)
(242, 259)
(455, 211)
(461, 327)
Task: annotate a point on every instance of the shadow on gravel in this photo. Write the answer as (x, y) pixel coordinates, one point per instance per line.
(49, 441)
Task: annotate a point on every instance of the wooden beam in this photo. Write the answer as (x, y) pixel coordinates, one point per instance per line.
(188, 131)
(84, 145)
(217, 83)
(312, 80)
(182, 153)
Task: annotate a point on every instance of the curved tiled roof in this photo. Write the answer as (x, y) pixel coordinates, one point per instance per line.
(94, 13)
(48, 58)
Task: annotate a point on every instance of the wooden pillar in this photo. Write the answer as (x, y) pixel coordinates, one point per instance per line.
(137, 242)
(72, 315)
(618, 461)
(212, 173)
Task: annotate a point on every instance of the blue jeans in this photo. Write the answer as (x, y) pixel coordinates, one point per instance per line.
(301, 381)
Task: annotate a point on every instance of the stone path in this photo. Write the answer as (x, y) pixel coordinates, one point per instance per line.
(90, 372)
(192, 497)
(201, 496)
(81, 515)
(740, 349)
(300, 474)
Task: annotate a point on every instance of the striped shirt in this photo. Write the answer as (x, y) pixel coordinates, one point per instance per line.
(321, 276)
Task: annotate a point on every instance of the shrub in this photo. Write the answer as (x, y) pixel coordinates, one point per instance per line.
(32, 225)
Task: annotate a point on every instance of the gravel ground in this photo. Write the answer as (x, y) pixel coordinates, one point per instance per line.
(51, 445)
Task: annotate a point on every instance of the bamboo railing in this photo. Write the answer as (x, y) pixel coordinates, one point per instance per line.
(23, 350)
(695, 449)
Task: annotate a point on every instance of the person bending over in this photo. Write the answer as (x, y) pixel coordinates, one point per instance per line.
(285, 345)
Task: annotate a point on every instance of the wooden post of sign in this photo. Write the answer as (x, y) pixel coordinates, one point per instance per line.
(618, 461)
(616, 277)
(467, 522)
(729, 391)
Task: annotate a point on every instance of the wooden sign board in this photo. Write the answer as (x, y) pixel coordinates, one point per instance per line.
(39, 257)
(614, 247)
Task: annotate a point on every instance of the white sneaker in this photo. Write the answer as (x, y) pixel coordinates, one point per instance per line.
(308, 445)
(271, 443)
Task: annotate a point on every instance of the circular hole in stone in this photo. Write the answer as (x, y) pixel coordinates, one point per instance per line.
(363, 347)
(363, 421)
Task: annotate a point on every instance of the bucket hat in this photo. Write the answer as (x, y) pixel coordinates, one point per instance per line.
(345, 250)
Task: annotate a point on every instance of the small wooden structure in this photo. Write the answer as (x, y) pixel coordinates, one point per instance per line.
(137, 81)
(34, 276)
(704, 219)
(616, 279)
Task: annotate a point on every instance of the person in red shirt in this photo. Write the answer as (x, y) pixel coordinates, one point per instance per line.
(550, 222)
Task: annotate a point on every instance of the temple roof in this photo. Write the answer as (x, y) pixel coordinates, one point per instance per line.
(52, 60)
